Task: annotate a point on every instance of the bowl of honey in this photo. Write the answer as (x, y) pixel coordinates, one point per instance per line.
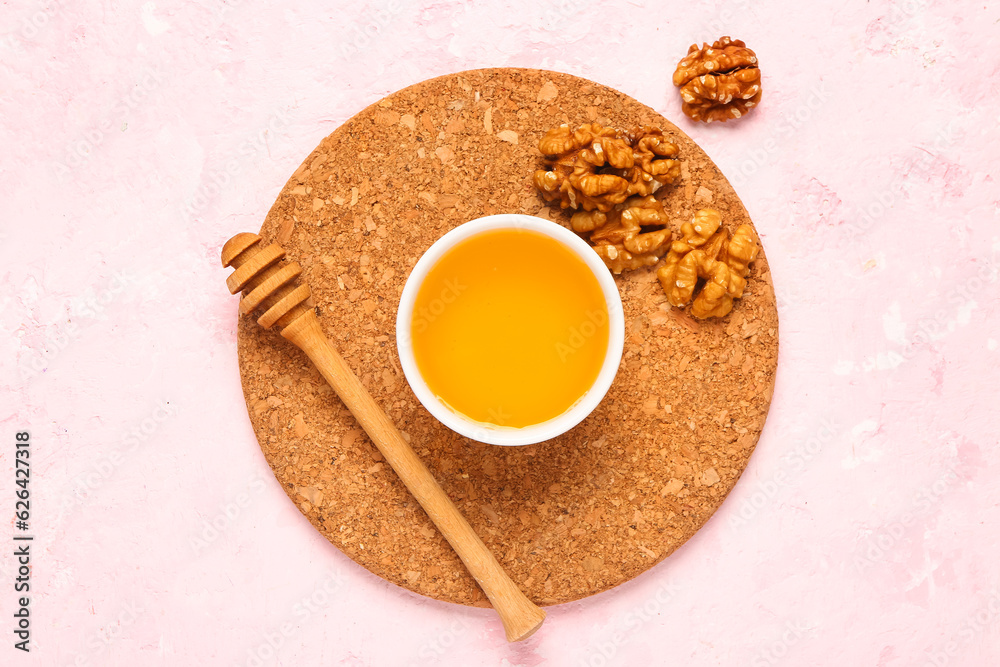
(510, 329)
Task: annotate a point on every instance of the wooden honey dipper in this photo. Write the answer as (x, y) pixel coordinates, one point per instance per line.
(269, 285)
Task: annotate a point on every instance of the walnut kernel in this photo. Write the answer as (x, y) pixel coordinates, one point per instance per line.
(617, 235)
(656, 161)
(593, 167)
(718, 82)
(706, 251)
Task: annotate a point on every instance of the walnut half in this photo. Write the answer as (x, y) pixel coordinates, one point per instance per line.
(617, 235)
(706, 251)
(718, 82)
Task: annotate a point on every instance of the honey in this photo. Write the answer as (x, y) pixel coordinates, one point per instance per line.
(510, 328)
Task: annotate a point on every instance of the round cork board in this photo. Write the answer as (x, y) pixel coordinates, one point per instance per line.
(566, 518)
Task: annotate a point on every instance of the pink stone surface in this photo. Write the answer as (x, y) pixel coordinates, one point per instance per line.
(137, 137)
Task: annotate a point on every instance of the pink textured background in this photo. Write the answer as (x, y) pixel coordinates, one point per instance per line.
(137, 137)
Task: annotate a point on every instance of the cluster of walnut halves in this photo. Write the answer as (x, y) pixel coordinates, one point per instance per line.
(594, 167)
(706, 251)
(609, 177)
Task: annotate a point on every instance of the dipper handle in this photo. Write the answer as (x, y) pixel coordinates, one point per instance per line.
(270, 286)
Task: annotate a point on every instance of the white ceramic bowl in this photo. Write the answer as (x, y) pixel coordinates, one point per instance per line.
(500, 435)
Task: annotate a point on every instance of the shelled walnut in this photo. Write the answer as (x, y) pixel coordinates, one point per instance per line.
(685, 261)
(718, 82)
(593, 167)
(656, 161)
(617, 235)
(583, 167)
(706, 251)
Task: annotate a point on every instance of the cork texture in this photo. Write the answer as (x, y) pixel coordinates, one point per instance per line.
(566, 518)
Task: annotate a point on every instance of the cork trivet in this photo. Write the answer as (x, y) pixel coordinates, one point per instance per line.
(566, 518)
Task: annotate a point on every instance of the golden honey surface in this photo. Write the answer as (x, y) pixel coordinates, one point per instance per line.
(510, 328)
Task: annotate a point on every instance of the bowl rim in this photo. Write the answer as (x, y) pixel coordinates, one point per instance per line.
(488, 433)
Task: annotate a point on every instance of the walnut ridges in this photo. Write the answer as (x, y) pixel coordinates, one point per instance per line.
(594, 167)
(706, 251)
(610, 176)
(656, 161)
(617, 235)
(718, 82)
